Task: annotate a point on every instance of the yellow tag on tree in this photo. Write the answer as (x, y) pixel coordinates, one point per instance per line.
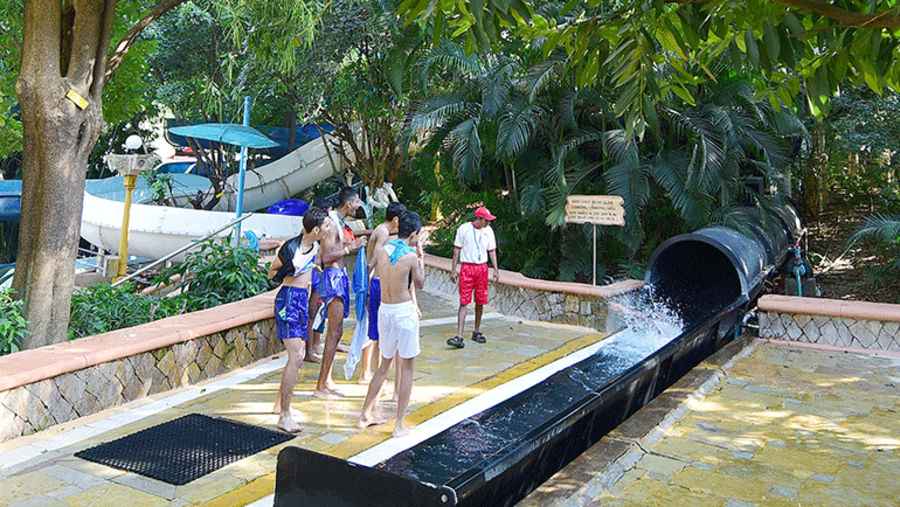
(77, 99)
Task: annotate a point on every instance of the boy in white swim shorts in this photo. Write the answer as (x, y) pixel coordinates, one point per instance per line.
(399, 266)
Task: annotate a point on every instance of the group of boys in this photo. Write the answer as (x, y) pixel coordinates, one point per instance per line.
(396, 271)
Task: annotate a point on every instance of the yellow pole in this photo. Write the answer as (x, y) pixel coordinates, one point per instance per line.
(130, 181)
(435, 206)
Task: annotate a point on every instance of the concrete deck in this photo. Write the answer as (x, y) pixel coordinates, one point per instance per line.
(759, 423)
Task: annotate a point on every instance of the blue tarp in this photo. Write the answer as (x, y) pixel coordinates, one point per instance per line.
(360, 287)
(10, 200)
(292, 207)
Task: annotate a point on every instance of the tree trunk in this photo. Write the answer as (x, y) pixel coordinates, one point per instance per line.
(64, 50)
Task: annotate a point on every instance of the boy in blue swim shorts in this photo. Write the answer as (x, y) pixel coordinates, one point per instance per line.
(336, 286)
(294, 265)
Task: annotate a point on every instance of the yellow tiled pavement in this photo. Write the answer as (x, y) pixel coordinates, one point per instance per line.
(776, 425)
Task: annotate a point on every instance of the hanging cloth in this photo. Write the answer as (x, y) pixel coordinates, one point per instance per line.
(360, 287)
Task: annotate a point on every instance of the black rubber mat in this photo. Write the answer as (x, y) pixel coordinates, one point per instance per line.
(181, 450)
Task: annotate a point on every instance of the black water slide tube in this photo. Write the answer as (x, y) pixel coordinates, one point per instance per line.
(498, 456)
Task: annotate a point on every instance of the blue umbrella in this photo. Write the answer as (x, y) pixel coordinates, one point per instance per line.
(238, 135)
(244, 136)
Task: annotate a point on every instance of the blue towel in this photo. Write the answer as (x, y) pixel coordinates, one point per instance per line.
(360, 287)
(360, 283)
(400, 248)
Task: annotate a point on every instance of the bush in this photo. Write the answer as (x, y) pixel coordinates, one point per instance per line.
(218, 273)
(13, 326)
(214, 275)
(103, 308)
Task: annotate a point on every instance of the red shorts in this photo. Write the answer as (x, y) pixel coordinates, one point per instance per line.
(473, 277)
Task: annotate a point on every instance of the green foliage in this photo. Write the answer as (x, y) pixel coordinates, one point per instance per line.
(533, 134)
(218, 273)
(214, 275)
(13, 326)
(160, 185)
(102, 308)
(862, 141)
(192, 63)
(800, 54)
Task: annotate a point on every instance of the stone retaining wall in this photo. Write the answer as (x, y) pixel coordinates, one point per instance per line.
(542, 300)
(45, 398)
(846, 324)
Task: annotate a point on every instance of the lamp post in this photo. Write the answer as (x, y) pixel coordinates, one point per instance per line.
(129, 166)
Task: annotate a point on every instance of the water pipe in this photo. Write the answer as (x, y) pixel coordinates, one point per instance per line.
(799, 268)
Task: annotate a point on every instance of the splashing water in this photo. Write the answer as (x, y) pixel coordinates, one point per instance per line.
(649, 324)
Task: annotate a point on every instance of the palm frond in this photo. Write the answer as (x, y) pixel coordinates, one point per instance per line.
(495, 90)
(629, 180)
(669, 170)
(450, 56)
(885, 227)
(516, 129)
(786, 124)
(531, 200)
(431, 113)
(556, 211)
(543, 74)
(467, 149)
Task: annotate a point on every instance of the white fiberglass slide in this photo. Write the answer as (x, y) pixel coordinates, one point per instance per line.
(156, 231)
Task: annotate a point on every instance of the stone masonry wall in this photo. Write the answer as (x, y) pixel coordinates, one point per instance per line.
(831, 330)
(542, 305)
(36, 406)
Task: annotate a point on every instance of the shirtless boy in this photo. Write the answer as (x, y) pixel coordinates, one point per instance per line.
(399, 266)
(294, 265)
(378, 239)
(335, 287)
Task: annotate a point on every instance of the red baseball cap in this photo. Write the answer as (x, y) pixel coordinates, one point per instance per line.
(484, 213)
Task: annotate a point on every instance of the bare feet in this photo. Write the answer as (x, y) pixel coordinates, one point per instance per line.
(401, 430)
(327, 394)
(294, 412)
(365, 379)
(287, 423)
(342, 348)
(312, 358)
(365, 422)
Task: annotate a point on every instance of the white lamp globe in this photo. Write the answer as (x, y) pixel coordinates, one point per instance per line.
(133, 142)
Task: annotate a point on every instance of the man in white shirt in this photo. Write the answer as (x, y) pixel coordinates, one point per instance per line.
(474, 245)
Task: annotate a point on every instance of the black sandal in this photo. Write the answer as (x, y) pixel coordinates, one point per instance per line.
(457, 342)
(478, 337)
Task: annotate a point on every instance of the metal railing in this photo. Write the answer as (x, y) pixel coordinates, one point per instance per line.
(194, 243)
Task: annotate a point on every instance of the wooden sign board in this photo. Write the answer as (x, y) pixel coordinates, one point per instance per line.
(595, 209)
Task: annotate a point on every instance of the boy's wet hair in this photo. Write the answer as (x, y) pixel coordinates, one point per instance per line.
(345, 195)
(324, 202)
(409, 223)
(393, 210)
(314, 217)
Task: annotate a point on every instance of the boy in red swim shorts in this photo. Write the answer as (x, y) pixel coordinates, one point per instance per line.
(474, 245)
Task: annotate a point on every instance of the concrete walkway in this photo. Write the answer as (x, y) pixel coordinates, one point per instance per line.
(758, 423)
